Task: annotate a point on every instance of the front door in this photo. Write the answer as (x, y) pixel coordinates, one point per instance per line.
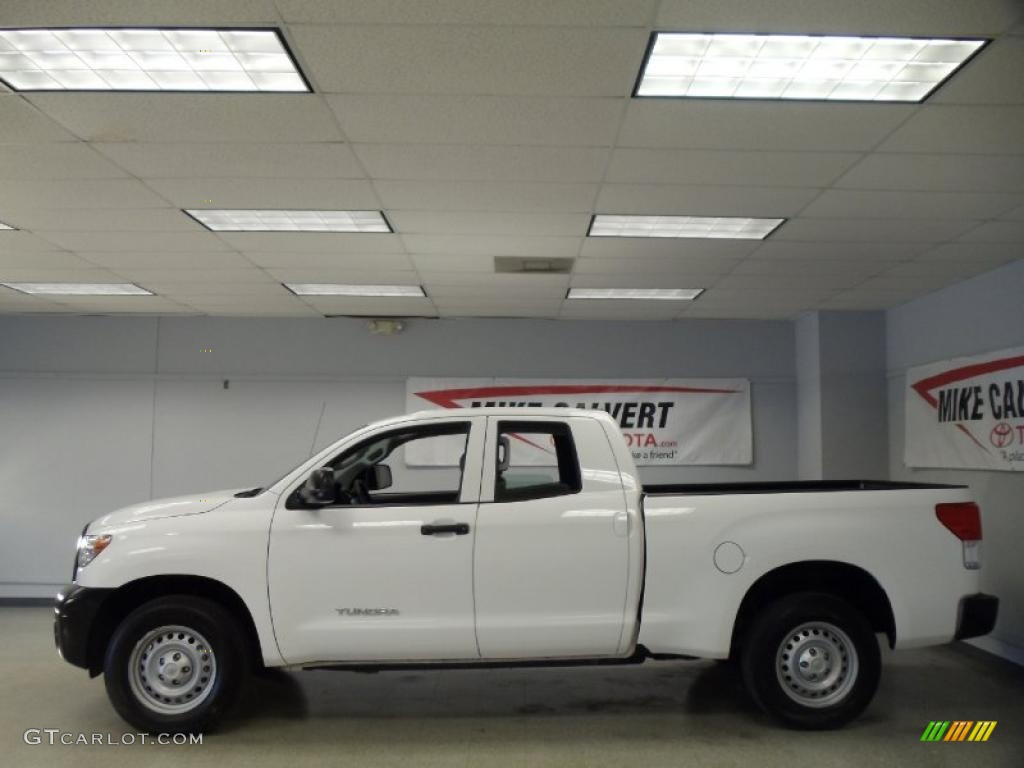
(382, 573)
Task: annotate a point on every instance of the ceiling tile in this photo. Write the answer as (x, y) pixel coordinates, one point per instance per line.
(79, 193)
(345, 275)
(787, 283)
(470, 12)
(643, 279)
(63, 275)
(470, 162)
(195, 289)
(997, 232)
(842, 203)
(334, 260)
(191, 117)
(241, 160)
(54, 160)
(908, 17)
(937, 173)
(189, 260)
(189, 13)
(966, 251)
(22, 242)
(724, 124)
(992, 77)
(545, 309)
(491, 245)
(875, 251)
(718, 167)
(316, 194)
(137, 241)
(647, 247)
(510, 60)
(796, 268)
(318, 242)
(619, 310)
(981, 129)
(107, 305)
(496, 286)
(656, 265)
(373, 307)
(872, 230)
(783, 311)
(943, 268)
(212, 276)
(45, 220)
(703, 200)
(486, 196)
(41, 260)
(470, 223)
(1017, 214)
(22, 123)
(430, 264)
(442, 119)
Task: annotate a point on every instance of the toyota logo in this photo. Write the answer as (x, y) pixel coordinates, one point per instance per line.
(1002, 435)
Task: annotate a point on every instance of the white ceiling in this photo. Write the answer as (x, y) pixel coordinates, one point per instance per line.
(496, 128)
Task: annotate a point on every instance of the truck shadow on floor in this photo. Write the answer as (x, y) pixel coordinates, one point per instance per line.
(693, 688)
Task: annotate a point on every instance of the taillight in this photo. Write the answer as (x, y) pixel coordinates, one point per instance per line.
(963, 519)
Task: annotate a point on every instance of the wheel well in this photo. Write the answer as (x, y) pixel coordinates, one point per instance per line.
(853, 584)
(130, 596)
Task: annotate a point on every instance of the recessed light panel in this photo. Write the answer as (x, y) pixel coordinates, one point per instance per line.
(722, 66)
(138, 59)
(5, 226)
(644, 294)
(79, 289)
(335, 289)
(290, 221)
(730, 227)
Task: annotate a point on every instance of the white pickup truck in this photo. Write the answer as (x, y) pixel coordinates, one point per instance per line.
(516, 536)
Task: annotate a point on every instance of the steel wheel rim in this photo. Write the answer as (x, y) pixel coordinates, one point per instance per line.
(816, 664)
(172, 670)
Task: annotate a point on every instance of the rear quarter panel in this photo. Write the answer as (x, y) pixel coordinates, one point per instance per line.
(690, 606)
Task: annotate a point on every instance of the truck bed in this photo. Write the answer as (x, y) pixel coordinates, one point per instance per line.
(801, 486)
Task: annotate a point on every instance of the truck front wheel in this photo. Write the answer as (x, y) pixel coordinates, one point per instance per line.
(174, 665)
(811, 660)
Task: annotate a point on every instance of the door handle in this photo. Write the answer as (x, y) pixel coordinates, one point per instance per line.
(432, 529)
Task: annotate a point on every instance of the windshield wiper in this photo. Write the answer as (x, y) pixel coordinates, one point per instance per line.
(248, 494)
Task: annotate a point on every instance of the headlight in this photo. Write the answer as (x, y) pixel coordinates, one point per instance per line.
(90, 546)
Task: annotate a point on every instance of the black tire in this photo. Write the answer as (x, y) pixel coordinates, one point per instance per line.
(776, 659)
(209, 622)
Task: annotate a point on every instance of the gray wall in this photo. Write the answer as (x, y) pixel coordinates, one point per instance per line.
(981, 315)
(96, 413)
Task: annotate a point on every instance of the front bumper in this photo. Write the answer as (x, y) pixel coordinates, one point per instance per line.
(977, 616)
(75, 611)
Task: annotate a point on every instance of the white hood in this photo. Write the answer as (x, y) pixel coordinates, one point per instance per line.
(173, 507)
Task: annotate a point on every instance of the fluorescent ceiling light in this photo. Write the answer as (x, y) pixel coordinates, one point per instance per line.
(336, 289)
(5, 226)
(79, 289)
(290, 221)
(731, 227)
(721, 66)
(645, 294)
(148, 59)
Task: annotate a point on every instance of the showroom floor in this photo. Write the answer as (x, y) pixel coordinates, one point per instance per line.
(674, 713)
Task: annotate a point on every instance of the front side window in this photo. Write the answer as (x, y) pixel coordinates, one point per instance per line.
(379, 471)
(535, 460)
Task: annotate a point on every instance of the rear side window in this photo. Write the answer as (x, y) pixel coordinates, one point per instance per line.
(535, 460)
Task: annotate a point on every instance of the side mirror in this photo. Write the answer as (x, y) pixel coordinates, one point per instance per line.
(378, 477)
(319, 487)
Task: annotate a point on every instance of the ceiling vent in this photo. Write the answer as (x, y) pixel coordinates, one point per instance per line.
(531, 266)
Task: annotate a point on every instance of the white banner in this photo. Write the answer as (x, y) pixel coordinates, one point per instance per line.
(666, 422)
(967, 413)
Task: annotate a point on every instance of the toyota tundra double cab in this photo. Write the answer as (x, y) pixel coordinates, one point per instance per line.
(516, 536)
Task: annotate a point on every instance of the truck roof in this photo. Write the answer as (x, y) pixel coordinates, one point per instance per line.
(508, 411)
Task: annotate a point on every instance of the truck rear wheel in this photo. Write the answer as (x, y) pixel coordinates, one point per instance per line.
(175, 665)
(811, 660)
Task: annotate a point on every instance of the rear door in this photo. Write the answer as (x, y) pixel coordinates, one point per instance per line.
(552, 549)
